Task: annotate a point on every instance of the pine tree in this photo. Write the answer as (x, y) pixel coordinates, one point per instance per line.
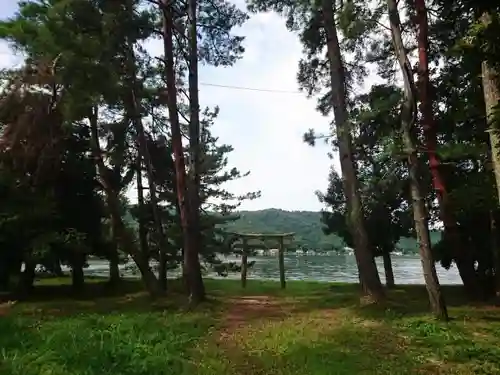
(316, 23)
(408, 121)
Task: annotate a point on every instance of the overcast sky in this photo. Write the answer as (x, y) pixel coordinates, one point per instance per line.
(265, 128)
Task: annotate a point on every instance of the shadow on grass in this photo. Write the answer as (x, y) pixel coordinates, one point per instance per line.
(326, 347)
(348, 351)
(298, 297)
(232, 288)
(402, 301)
(91, 344)
(56, 297)
(61, 288)
(121, 331)
(384, 350)
(470, 346)
(345, 351)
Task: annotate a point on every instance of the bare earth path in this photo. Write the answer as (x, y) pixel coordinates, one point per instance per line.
(241, 312)
(5, 307)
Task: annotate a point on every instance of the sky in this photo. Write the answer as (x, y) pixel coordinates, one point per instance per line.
(265, 128)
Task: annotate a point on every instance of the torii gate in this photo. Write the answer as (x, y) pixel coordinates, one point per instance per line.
(279, 237)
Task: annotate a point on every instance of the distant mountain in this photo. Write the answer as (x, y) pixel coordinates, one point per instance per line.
(306, 225)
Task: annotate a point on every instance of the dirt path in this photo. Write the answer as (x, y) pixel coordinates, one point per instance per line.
(5, 307)
(244, 310)
(241, 312)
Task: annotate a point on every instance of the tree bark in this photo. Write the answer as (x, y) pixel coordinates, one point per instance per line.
(26, 279)
(114, 270)
(125, 238)
(57, 268)
(143, 232)
(491, 100)
(368, 272)
(135, 111)
(436, 299)
(389, 273)
(191, 258)
(244, 263)
(162, 259)
(184, 272)
(4, 275)
(180, 167)
(77, 276)
(408, 119)
(463, 258)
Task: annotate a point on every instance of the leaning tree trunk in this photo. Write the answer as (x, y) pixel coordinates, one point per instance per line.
(162, 259)
(178, 212)
(463, 258)
(143, 232)
(389, 273)
(4, 275)
(408, 119)
(191, 258)
(126, 238)
(133, 102)
(114, 270)
(491, 100)
(77, 276)
(57, 269)
(25, 283)
(436, 298)
(368, 273)
(113, 258)
(171, 100)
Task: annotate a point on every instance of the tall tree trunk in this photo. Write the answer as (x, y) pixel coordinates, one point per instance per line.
(495, 252)
(178, 212)
(162, 259)
(171, 99)
(4, 274)
(126, 239)
(143, 233)
(57, 268)
(368, 272)
(389, 273)
(135, 110)
(463, 258)
(436, 299)
(408, 119)
(491, 100)
(77, 276)
(114, 270)
(191, 258)
(113, 258)
(26, 279)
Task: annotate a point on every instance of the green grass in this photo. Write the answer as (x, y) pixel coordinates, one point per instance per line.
(308, 329)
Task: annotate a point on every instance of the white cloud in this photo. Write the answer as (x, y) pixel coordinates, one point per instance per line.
(8, 58)
(266, 128)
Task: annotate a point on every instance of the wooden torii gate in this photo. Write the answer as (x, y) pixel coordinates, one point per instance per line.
(279, 237)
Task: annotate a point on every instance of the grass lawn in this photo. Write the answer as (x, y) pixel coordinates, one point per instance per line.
(311, 328)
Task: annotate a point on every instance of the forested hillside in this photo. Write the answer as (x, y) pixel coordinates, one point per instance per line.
(306, 225)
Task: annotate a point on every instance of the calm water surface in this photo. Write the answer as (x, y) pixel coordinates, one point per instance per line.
(339, 268)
